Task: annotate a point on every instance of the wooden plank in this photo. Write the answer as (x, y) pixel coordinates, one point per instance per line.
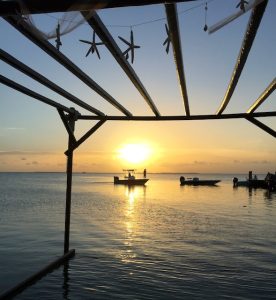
(28, 92)
(267, 92)
(36, 38)
(251, 31)
(12, 7)
(180, 118)
(43, 80)
(172, 18)
(86, 136)
(95, 22)
(262, 126)
(35, 277)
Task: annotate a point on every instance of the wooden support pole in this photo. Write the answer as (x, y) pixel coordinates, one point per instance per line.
(32, 279)
(69, 185)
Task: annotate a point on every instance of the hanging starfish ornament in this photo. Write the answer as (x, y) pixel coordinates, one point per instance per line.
(131, 47)
(58, 42)
(241, 5)
(167, 40)
(93, 44)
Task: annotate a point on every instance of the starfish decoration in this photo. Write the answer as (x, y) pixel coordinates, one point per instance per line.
(241, 5)
(58, 42)
(94, 45)
(167, 40)
(131, 46)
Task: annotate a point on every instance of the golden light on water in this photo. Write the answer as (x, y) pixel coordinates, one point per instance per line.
(135, 153)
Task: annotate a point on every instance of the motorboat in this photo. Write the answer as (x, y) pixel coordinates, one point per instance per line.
(130, 178)
(196, 181)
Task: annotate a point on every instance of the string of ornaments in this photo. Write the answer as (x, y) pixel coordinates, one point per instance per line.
(129, 52)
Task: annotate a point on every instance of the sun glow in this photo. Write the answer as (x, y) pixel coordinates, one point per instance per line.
(134, 153)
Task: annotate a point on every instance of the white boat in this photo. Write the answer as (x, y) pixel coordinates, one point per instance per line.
(130, 179)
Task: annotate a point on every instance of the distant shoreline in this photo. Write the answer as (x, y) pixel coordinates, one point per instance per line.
(111, 173)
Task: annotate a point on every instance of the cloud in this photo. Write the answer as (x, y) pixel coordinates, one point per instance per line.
(14, 128)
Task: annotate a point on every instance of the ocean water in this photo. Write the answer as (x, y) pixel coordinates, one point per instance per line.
(161, 241)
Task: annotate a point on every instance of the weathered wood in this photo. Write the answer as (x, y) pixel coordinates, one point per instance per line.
(64, 119)
(28, 92)
(46, 82)
(179, 118)
(69, 171)
(95, 22)
(172, 18)
(262, 126)
(35, 277)
(251, 30)
(12, 7)
(86, 136)
(36, 38)
(268, 91)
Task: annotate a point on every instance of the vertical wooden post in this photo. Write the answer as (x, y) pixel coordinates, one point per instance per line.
(69, 186)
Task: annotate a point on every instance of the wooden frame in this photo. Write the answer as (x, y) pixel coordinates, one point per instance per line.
(9, 11)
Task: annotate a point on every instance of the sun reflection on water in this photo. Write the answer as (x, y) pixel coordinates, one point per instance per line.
(132, 195)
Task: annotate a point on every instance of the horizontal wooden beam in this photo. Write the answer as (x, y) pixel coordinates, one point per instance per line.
(250, 34)
(179, 118)
(20, 88)
(6, 57)
(30, 32)
(12, 7)
(32, 279)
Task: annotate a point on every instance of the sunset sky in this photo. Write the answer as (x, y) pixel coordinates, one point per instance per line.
(32, 134)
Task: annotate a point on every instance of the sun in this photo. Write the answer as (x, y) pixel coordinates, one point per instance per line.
(134, 153)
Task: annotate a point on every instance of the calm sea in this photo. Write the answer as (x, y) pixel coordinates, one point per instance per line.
(161, 241)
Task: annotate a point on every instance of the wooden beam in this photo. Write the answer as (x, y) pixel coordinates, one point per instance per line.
(180, 118)
(12, 7)
(86, 136)
(28, 92)
(35, 277)
(172, 18)
(262, 126)
(43, 80)
(251, 30)
(95, 22)
(36, 38)
(65, 121)
(268, 91)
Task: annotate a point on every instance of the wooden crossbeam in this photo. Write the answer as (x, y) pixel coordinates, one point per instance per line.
(95, 22)
(85, 136)
(46, 82)
(251, 30)
(180, 117)
(36, 38)
(26, 91)
(267, 92)
(262, 126)
(172, 18)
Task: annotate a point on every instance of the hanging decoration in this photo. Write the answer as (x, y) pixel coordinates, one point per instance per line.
(167, 40)
(131, 47)
(205, 28)
(250, 5)
(94, 45)
(241, 5)
(58, 42)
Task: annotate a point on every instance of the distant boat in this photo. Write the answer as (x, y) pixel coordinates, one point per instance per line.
(196, 181)
(130, 179)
